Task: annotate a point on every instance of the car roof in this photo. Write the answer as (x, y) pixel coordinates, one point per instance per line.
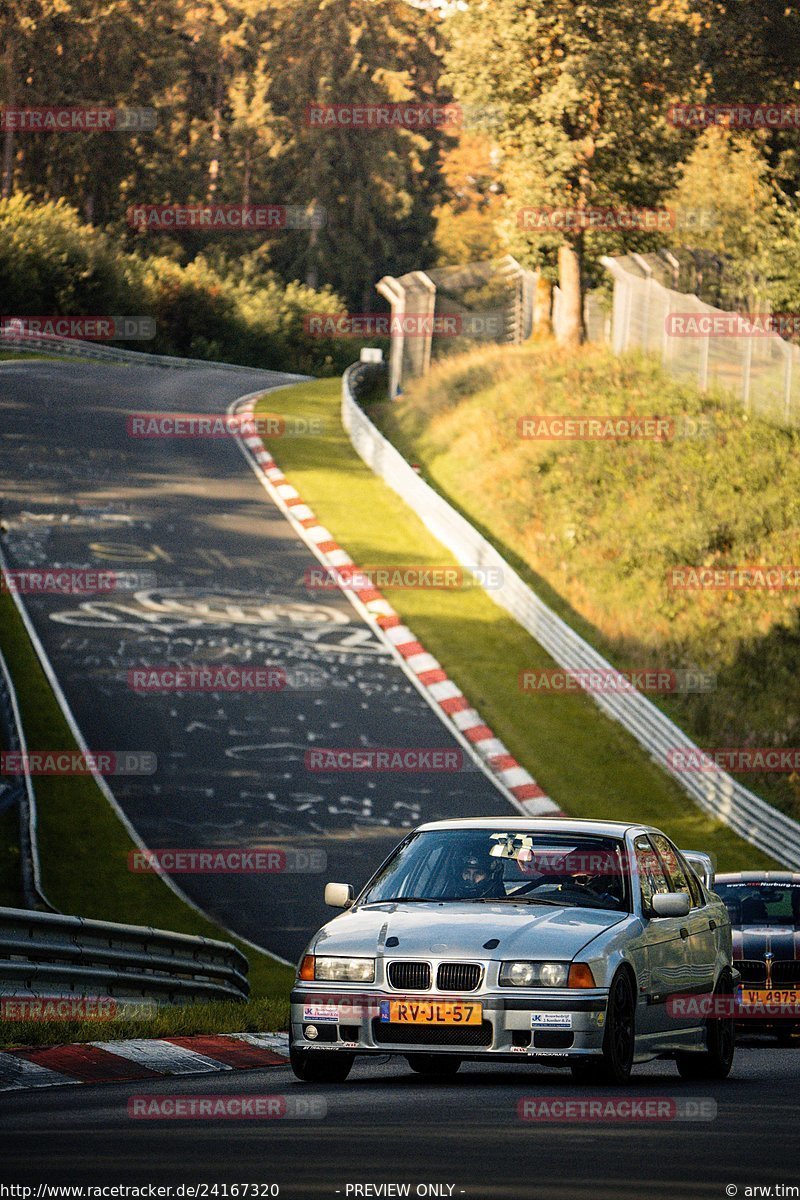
(757, 877)
(569, 825)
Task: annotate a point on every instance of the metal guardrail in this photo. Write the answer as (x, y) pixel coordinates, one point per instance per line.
(20, 792)
(73, 347)
(46, 954)
(713, 790)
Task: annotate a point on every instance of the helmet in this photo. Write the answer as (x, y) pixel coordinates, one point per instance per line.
(480, 874)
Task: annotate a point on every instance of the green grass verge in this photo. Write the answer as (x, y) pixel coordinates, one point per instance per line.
(257, 1016)
(582, 759)
(84, 854)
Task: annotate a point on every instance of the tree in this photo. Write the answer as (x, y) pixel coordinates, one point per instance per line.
(20, 21)
(584, 91)
(466, 222)
(377, 187)
(750, 53)
(747, 213)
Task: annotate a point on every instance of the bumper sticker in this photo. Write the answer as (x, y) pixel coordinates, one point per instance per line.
(551, 1020)
(320, 1012)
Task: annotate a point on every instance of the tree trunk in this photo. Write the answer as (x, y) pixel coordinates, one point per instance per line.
(247, 175)
(542, 307)
(8, 140)
(570, 309)
(216, 136)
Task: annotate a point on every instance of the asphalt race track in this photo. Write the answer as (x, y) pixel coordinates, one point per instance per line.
(385, 1126)
(219, 580)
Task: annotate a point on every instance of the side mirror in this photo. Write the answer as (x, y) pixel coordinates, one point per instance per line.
(339, 895)
(671, 904)
(702, 865)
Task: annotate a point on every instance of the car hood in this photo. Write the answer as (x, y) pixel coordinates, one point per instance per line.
(462, 930)
(754, 941)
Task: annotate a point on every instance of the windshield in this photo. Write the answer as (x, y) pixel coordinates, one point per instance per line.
(761, 903)
(481, 865)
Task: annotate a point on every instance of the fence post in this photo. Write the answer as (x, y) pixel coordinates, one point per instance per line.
(626, 337)
(787, 384)
(395, 293)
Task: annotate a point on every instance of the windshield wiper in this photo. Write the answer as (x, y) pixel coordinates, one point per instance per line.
(516, 900)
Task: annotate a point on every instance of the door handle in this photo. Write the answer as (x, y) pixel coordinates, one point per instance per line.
(684, 932)
(712, 924)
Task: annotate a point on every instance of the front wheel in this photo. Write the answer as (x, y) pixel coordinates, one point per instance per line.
(614, 1066)
(433, 1064)
(716, 1060)
(320, 1066)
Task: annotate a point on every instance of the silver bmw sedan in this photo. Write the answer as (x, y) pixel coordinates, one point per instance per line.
(588, 944)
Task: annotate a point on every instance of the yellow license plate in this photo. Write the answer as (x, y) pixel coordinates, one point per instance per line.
(761, 996)
(432, 1012)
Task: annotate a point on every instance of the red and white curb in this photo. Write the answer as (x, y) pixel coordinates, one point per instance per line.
(426, 672)
(139, 1058)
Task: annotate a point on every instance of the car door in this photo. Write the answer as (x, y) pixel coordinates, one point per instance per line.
(701, 942)
(664, 940)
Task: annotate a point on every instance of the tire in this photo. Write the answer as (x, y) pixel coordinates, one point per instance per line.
(320, 1066)
(619, 1039)
(716, 1060)
(433, 1064)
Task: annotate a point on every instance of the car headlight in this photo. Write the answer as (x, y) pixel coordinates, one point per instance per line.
(345, 970)
(534, 974)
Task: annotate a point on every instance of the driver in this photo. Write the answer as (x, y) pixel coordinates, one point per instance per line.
(482, 875)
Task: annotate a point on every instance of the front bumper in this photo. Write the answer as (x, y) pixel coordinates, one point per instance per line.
(554, 1023)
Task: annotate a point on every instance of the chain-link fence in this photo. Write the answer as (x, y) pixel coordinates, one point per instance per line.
(711, 347)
